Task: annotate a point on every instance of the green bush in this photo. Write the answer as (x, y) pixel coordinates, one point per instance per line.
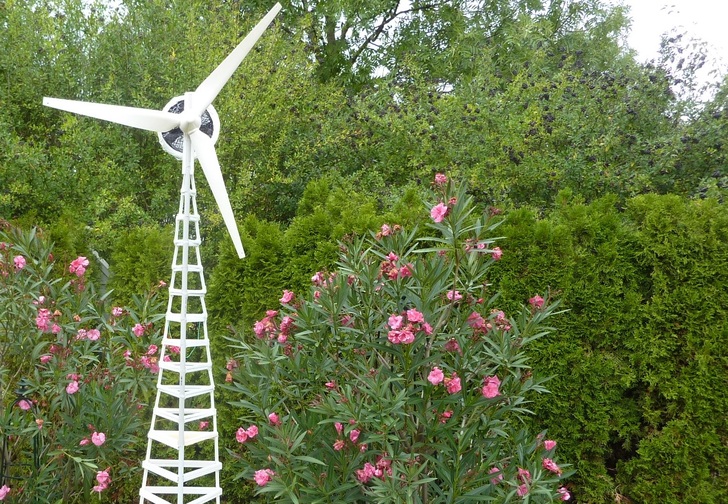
(634, 396)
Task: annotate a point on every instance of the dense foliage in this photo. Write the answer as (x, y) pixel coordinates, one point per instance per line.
(75, 377)
(396, 378)
(602, 166)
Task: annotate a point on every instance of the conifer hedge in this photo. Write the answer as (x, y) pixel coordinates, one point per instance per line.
(640, 364)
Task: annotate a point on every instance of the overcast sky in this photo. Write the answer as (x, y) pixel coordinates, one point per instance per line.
(703, 19)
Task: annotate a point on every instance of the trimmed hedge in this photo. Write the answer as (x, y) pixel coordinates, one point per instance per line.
(640, 365)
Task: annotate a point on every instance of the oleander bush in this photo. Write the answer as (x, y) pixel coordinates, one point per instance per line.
(397, 377)
(76, 373)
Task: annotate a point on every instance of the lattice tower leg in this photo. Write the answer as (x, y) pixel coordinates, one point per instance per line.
(182, 464)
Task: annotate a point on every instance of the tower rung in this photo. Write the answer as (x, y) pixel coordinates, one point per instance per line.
(207, 493)
(194, 268)
(190, 415)
(190, 317)
(199, 468)
(171, 438)
(190, 367)
(192, 242)
(188, 342)
(190, 292)
(192, 217)
(187, 391)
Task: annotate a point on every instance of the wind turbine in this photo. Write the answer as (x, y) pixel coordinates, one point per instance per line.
(187, 127)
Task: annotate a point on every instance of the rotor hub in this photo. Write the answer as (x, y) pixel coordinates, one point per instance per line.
(172, 141)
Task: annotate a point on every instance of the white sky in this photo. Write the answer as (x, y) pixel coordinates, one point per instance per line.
(706, 20)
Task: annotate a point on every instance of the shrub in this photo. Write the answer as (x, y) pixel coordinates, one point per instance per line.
(75, 375)
(396, 378)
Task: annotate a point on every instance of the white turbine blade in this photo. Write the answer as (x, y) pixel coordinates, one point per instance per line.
(146, 119)
(205, 151)
(210, 87)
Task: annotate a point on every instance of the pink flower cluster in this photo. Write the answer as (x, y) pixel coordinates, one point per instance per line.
(243, 435)
(4, 492)
(391, 270)
(387, 230)
(91, 334)
(43, 319)
(439, 212)
(267, 327)
(452, 383)
(78, 266)
(103, 478)
(274, 419)
(97, 438)
(536, 301)
(479, 324)
(491, 386)
(380, 469)
(501, 321)
(19, 262)
(263, 476)
(440, 179)
(405, 327)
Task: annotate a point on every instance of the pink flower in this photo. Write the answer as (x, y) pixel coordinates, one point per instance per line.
(536, 301)
(447, 414)
(252, 431)
(241, 435)
(406, 270)
(497, 478)
(439, 212)
(339, 427)
(44, 359)
(287, 297)
(564, 492)
(152, 349)
(98, 438)
(104, 479)
(395, 321)
(263, 476)
(549, 444)
(19, 262)
(452, 384)
(522, 490)
(39, 422)
(274, 419)
(453, 295)
(440, 179)
(330, 385)
(43, 319)
(496, 253)
(414, 316)
(72, 387)
(524, 475)
(354, 435)
(78, 266)
(4, 492)
(93, 334)
(138, 330)
(386, 230)
(339, 445)
(366, 473)
(117, 311)
(452, 345)
(24, 404)
(436, 376)
(318, 278)
(550, 465)
(56, 329)
(490, 387)
(85, 441)
(204, 424)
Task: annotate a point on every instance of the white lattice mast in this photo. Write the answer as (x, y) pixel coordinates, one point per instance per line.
(185, 385)
(182, 460)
